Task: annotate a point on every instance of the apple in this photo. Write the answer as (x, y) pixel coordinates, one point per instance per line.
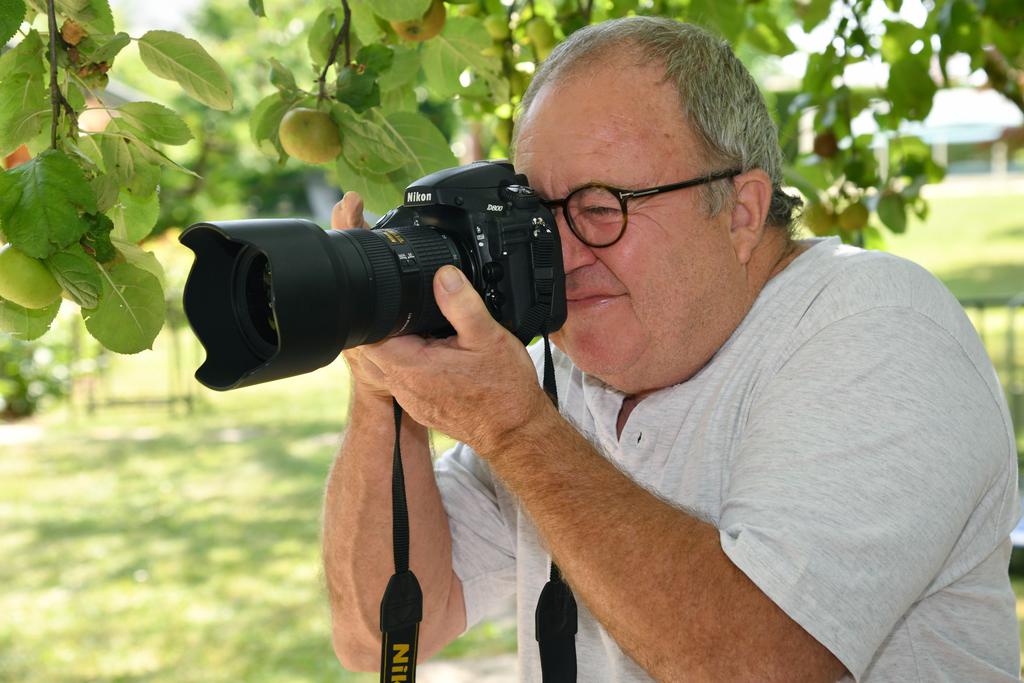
(25, 280)
(424, 28)
(310, 135)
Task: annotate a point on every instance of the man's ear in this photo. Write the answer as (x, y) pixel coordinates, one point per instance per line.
(752, 197)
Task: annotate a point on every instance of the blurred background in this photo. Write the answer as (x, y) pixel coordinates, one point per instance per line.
(153, 530)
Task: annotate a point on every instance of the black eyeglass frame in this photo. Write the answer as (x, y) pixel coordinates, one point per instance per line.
(624, 195)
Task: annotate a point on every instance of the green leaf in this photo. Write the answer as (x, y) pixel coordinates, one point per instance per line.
(813, 12)
(821, 68)
(358, 90)
(897, 39)
(375, 59)
(401, 10)
(89, 145)
(177, 58)
(405, 64)
(321, 36)
(366, 145)
(893, 212)
(26, 323)
(264, 122)
(12, 13)
(156, 122)
(106, 188)
(364, 22)
(24, 110)
(423, 145)
(257, 8)
(78, 274)
(728, 17)
(379, 192)
(461, 46)
(97, 237)
(139, 257)
(281, 76)
(24, 58)
(764, 33)
(131, 160)
(910, 88)
(131, 310)
(154, 158)
(94, 15)
(134, 216)
(103, 48)
(40, 204)
(398, 99)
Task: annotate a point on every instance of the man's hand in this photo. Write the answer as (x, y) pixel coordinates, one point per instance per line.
(478, 386)
(348, 215)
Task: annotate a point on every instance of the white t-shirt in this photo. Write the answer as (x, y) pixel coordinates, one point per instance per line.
(851, 443)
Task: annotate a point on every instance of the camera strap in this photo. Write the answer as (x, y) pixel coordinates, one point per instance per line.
(556, 615)
(401, 609)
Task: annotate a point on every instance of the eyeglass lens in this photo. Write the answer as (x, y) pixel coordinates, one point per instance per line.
(596, 215)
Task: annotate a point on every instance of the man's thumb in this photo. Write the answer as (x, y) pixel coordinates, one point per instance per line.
(462, 306)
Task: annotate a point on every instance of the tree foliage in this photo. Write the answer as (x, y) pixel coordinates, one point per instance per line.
(396, 78)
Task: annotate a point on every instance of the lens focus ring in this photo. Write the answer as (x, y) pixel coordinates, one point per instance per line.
(386, 284)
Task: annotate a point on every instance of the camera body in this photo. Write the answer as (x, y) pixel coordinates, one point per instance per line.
(506, 241)
(273, 298)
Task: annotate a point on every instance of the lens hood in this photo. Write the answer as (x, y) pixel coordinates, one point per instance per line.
(262, 297)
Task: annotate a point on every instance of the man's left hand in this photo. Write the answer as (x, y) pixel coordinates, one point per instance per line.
(478, 386)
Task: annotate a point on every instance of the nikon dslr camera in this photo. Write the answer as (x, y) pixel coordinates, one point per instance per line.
(272, 298)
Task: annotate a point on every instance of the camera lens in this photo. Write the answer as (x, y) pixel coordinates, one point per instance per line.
(253, 304)
(275, 298)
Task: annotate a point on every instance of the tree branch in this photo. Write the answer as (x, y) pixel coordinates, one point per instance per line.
(343, 35)
(55, 94)
(1003, 77)
(57, 99)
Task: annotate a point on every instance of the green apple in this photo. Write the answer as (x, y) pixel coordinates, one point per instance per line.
(25, 280)
(310, 135)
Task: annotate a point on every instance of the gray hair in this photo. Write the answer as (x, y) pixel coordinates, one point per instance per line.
(718, 97)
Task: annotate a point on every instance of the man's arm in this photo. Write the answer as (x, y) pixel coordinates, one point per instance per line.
(357, 540)
(653, 575)
(357, 547)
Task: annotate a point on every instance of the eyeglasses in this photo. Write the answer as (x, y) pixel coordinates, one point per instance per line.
(597, 214)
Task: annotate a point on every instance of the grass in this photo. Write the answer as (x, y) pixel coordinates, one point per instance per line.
(141, 546)
(144, 546)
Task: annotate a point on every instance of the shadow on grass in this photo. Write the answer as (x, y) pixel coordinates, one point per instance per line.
(1014, 232)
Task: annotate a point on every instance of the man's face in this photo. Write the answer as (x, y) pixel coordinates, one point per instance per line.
(641, 312)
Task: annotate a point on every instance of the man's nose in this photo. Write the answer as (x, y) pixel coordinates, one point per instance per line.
(575, 254)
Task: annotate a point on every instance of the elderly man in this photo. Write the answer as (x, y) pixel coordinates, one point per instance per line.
(774, 460)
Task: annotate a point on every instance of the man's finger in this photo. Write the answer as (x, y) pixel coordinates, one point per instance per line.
(464, 309)
(348, 213)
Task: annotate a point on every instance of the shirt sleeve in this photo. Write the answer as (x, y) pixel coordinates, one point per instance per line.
(858, 478)
(482, 528)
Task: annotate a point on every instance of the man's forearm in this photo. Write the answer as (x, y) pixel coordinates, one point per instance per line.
(357, 532)
(652, 574)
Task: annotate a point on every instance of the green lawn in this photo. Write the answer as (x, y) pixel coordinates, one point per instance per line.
(141, 546)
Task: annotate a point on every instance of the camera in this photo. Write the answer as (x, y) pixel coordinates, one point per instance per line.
(273, 298)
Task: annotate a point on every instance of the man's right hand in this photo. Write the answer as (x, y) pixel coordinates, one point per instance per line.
(368, 380)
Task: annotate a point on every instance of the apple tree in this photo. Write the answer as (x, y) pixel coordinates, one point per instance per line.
(361, 103)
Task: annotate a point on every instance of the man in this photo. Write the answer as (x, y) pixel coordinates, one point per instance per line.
(774, 460)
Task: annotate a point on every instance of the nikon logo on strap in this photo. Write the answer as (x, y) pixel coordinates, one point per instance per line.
(414, 197)
(399, 672)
